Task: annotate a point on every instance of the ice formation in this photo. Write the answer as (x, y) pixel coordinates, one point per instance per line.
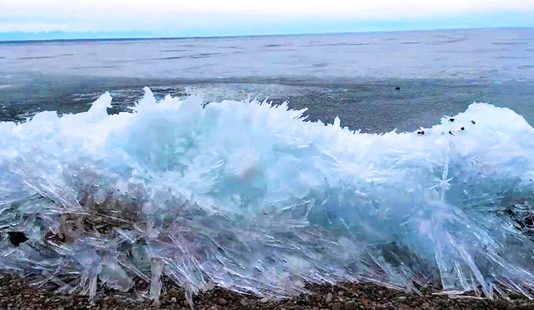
(253, 198)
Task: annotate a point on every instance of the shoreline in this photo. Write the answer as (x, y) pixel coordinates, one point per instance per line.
(15, 293)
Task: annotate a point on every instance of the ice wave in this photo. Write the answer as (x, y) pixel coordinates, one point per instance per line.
(253, 198)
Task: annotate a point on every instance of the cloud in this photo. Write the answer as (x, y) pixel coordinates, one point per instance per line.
(178, 15)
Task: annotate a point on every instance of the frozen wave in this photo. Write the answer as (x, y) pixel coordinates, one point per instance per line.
(251, 197)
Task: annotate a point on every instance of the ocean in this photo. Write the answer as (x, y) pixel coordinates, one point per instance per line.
(353, 76)
(263, 164)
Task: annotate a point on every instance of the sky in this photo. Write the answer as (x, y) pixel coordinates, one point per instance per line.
(64, 19)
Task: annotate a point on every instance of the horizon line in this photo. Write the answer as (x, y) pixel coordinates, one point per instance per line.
(150, 38)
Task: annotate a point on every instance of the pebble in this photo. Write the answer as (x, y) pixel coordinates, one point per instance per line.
(18, 295)
(501, 304)
(524, 306)
(350, 305)
(336, 306)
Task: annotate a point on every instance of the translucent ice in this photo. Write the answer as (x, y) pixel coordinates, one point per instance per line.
(251, 197)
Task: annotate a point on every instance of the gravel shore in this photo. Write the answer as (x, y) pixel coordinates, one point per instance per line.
(16, 294)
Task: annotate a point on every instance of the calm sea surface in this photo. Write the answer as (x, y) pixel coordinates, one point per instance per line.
(375, 82)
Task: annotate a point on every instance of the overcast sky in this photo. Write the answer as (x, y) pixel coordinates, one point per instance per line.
(234, 17)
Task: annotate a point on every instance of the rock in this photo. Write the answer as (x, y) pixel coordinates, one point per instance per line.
(350, 305)
(336, 306)
(221, 301)
(328, 298)
(173, 300)
(523, 306)
(501, 304)
(17, 237)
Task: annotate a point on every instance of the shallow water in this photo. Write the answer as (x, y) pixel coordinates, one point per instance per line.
(351, 75)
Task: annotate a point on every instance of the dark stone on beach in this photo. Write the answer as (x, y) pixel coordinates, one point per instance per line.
(473, 122)
(17, 237)
(397, 88)
(221, 301)
(350, 305)
(450, 133)
(462, 128)
(451, 119)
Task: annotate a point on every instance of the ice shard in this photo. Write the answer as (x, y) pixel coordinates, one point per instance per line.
(253, 198)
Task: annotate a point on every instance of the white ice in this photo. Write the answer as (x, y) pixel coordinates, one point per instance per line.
(252, 197)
